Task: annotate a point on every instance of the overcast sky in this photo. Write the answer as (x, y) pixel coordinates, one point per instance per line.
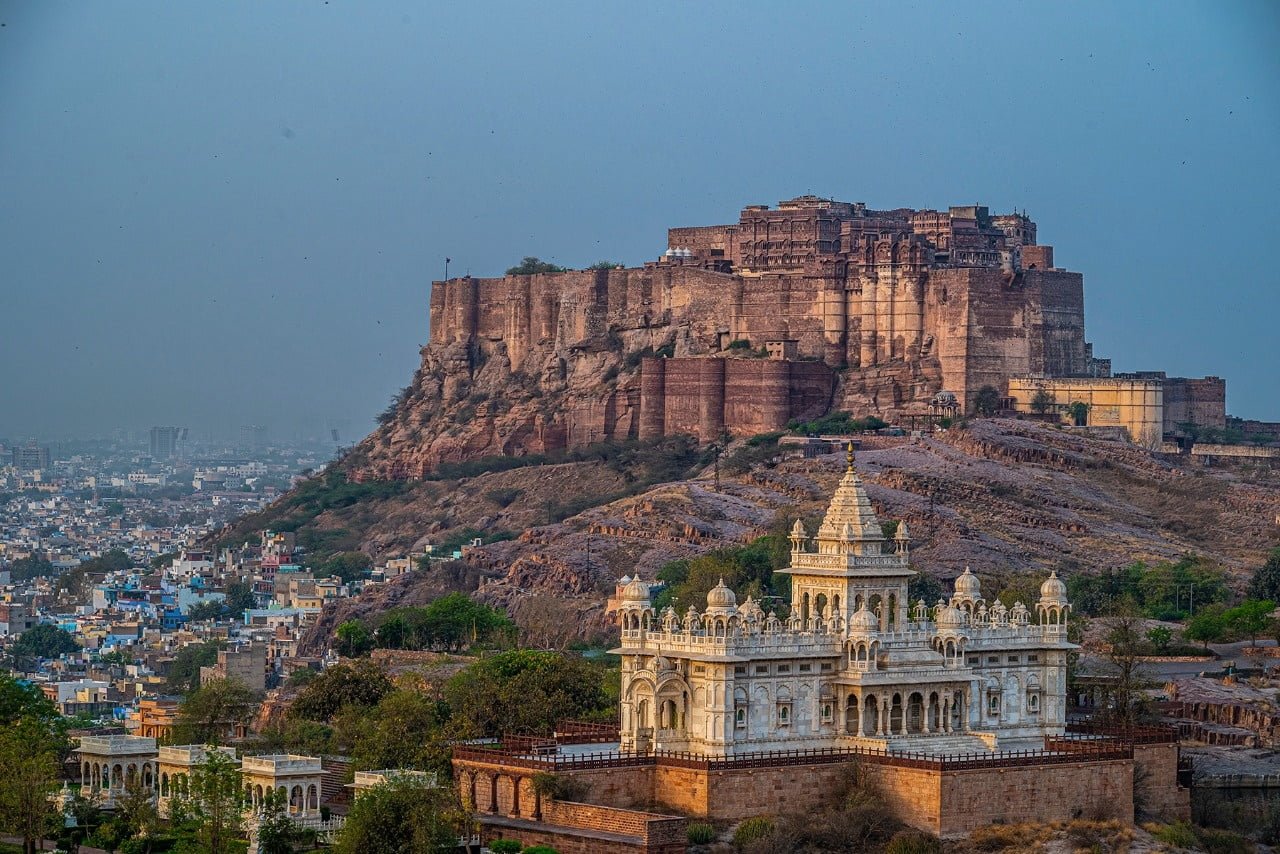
(223, 213)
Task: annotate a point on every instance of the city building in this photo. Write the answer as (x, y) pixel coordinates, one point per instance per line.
(165, 442)
(30, 457)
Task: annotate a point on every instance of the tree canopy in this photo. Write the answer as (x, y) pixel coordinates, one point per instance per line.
(184, 672)
(525, 691)
(531, 266)
(403, 816)
(451, 622)
(32, 566)
(43, 641)
(361, 684)
(211, 713)
(1265, 583)
(986, 401)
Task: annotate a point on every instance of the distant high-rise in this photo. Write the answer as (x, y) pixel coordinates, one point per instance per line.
(164, 441)
(30, 457)
(253, 437)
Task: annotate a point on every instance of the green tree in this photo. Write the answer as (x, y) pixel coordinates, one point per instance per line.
(32, 566)
(135, 815)
(1206, 627)
(160, 561)
(1160, 637)
(1249, 618)
(213, 710)
(1041, 401)
(184, 671)
(348, 565)
(201, 611)
(353, 639)
(239, 597)
(43, 641)
(1123, 624)
(29, 769)
(360, 684)
(405, 816)
(275, 830)
(82, 815)
(457, 620)
(1265, 583)
(605, 265)
(924, 586)
(1079, 411)
(213, 804)
(394, 633)
(986, 401)
(525, 691)
(405, 730)
(22, 700)
(531, 266)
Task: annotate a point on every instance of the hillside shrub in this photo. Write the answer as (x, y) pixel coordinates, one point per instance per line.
(913, 842)
(752, 829)
(505, 846)
(701, 833)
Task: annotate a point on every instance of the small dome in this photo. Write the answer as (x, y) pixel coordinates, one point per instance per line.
(636, 591)
(968, 584)
(797, 530)
(721, 597)
(1053, 588)
(902, 532)
(864, 621)
(950, 617)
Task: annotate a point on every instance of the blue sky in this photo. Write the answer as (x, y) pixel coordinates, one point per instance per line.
(223, 213)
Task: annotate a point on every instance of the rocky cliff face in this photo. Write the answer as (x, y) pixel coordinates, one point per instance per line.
(1002, 497)
(534, 364)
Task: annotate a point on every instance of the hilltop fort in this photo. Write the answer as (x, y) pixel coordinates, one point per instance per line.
(789, 313)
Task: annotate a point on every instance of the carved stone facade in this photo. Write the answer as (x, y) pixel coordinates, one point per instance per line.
(853, 665)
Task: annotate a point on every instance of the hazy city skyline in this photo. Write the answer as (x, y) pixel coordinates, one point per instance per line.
(230, 214)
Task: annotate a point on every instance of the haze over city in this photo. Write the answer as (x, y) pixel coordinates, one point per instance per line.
(218, 214)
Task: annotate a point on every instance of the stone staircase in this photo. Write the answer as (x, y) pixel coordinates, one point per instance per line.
(940, 745)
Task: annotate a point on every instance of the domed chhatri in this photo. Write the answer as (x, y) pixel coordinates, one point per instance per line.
(969, 584)
(721, 598)
(863, 621)
(1053, 589)
(846, 661)
(635, 590)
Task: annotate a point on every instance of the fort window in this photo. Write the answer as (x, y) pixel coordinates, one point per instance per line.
(784, 714)
(805, 668)
(784, 668)
(1033, 702)
(740, 718)
(740, 670)
(762, 669)
(1032, 659)
(993, 659)
(972, 659)
(1013, 659)
(826, 665)
(826, 713)
(698, 668)
(993, 705)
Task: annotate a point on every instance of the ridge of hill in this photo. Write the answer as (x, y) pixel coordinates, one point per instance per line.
(1003, 497)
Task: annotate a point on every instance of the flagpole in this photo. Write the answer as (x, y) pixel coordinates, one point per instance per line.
(446, 268)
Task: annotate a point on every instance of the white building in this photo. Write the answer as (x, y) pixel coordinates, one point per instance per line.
(852, 665)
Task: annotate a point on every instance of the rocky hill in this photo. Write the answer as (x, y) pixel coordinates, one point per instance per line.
(1001, 496)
